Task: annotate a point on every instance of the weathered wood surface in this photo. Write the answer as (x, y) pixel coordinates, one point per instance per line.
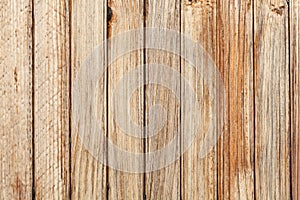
(255, 46)
(235, 61)
(272, 103)
(295, 92)
(199, 23)
(51, 99)
(122, 184)
(16, 121)
(88, 175)
(162, 183)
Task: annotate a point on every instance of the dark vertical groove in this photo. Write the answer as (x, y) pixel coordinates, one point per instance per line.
(70, 100)
(144, 97)
(33, 102)
(228, 119)
(217, 61)
(254, 96)
(180, 108)
(105, 37)
(217, 124)
(291, 101)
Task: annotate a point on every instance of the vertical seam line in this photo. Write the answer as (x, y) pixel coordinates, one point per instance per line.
(105, 37)
(70, 99)
(254, 97)
(33, 102)
(144, 97)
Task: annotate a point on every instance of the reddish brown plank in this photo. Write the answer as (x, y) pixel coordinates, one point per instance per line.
(235, 60)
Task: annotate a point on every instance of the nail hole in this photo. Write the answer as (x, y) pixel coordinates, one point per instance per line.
(109, 14)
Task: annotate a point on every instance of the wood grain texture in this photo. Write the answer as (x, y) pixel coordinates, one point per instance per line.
(88, 176)
(295, 89)
(163, 183)
(46, 152)
(235, 60)
(51, 97)
(272, 103)
(16, 100)
(199, 24)
(127, 16)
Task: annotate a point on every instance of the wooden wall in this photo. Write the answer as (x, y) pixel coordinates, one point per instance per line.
(255, 45)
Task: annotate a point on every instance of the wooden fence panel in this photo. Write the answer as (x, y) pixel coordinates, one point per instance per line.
(126, 16)
(162, 183)
(16, 68)
(88, 178)
(52, 106)
(272, 103)
(51, 99)
(235, 60)
(295, 92)
(199, 23)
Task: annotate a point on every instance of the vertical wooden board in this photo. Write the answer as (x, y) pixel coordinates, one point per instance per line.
(88, 174)
(295, 89)
(124, 182)
(235, 58)
(16, 100)
(272, 104)
(51, 97)
(199, 174)
(163, 183)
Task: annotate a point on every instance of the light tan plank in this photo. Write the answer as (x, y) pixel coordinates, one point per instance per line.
(125, 182)
(295, 89)
(199, 174)
(16, 100)
(272, 104)
(88, 176)
(163, 183)
(51, 96)
(235, 58)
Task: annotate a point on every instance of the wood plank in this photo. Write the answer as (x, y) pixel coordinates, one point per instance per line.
(295, 89)
(272, 104)
(163, 183)
(235, 60)
(88, 173)
(199, 24)
(124, 182)
(16, 100)
(51, 96)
